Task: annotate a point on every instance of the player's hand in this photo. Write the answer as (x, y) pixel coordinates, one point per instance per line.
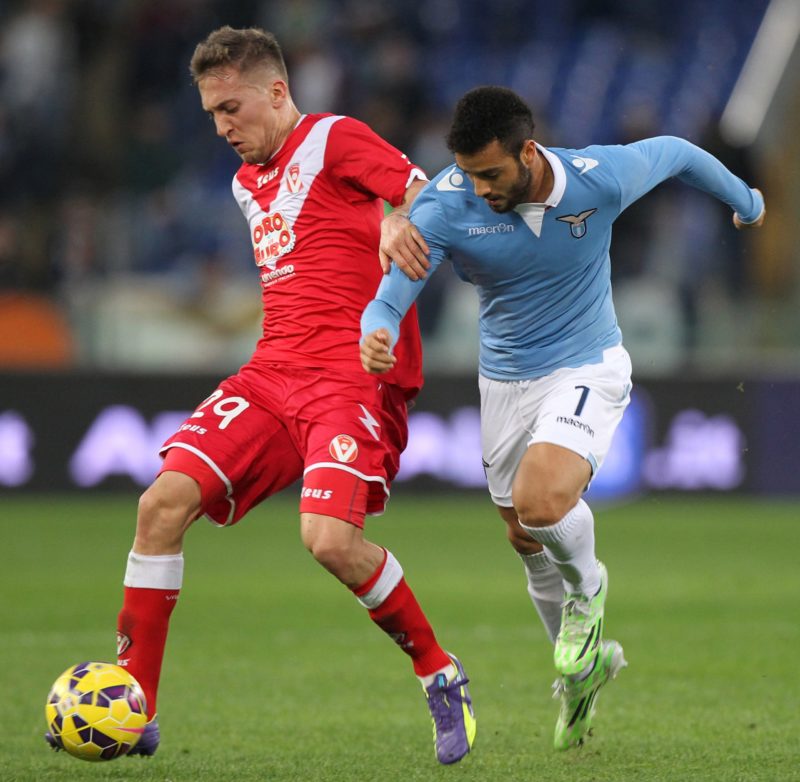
(375, 356)
(402, 243)
(756, 223)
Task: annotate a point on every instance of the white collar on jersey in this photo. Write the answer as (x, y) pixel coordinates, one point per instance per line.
(559, 177)
(533, 214)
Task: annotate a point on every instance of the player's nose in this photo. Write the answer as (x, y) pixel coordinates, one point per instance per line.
(482, 189)
(222, 125)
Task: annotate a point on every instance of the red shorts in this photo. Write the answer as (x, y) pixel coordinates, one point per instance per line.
(269, 425)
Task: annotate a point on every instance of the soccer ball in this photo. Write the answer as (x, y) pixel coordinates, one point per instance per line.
(96, 711)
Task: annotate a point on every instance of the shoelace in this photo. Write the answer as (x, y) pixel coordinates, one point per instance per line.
(440, 704)
(577, 606)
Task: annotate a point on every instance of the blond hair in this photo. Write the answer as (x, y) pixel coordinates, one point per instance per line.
(243, 49)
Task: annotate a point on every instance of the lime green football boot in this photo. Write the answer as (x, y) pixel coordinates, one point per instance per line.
(579, 698)
(581, 629)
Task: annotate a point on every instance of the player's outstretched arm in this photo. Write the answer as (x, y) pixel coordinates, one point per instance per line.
(757, 223)
(402, 242)
(376, 357)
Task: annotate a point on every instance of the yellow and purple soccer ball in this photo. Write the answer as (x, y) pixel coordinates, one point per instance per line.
(96, 711)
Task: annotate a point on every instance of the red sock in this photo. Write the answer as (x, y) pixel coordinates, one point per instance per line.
(141, 635)
(400, 616)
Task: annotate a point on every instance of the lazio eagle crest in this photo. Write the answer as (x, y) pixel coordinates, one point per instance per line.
(577, 223)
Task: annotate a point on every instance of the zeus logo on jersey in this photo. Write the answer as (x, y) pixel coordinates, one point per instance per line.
(272, 238)
(577, 223)
(264, 178)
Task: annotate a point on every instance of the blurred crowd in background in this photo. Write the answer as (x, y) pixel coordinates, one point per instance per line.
(122, 247)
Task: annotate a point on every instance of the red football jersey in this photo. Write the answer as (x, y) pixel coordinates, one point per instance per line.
(314, 211)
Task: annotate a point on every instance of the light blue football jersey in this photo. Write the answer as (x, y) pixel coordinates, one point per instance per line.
(542, 271)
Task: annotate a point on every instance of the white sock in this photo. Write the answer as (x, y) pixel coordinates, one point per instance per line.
(546, 589)
(156, 571)
(449, 672)
(569, 543)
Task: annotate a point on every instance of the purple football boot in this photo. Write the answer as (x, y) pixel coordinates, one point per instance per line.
(146, 746)
(454, 722)
(148, 743)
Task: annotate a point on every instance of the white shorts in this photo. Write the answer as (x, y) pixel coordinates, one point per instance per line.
(578, 409)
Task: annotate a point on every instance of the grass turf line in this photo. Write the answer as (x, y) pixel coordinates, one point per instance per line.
(274, 673)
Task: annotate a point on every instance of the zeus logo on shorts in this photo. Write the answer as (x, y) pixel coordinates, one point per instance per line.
(317, 494)
(343, 448)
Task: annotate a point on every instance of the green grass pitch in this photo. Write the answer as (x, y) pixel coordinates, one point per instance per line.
(273, 672)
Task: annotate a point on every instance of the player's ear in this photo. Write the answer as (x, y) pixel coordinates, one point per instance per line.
(528, 152)
(279, 91)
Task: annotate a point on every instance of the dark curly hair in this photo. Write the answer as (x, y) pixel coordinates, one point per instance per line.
(488, 113)
(241, 49)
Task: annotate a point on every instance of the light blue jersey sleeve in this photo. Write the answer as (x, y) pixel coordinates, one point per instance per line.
(649, 162)
(397, 293)
(544, 288)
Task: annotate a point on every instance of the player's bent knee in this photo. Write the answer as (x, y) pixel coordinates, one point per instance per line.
(544, 510)
(333, 557)
(166, 509)
(521, 541)
(333, 553)
(335, 544)
(518, 537)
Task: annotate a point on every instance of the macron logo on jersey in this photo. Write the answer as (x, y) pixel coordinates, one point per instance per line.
(584, 164)
(482, 230)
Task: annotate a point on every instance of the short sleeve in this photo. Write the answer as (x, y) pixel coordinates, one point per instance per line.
(360, 157)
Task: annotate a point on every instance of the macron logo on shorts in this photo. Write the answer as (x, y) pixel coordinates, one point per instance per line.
(562, 419)
(343, 448)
